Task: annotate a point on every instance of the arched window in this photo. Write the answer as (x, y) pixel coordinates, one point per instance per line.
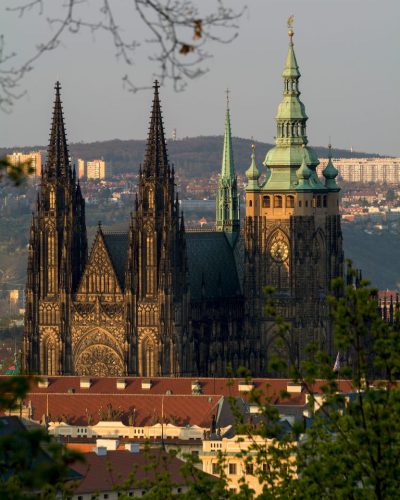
(325, 201)
(318, 201)
(278, 201)
(290, 201)
(300, 203)
(266, 202)
(250, 203)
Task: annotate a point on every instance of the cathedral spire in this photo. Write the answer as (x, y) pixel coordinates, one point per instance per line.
(228, 169)
(57, 164)
(156, 158)
(227, 200)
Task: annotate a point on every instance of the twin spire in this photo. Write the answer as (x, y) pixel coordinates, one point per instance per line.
(156, 158)
(57, 165)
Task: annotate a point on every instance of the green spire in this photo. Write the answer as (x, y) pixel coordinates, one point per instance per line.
(227, 200)
(330, 173)
(228, 169)
(252, 173)
(288, 154)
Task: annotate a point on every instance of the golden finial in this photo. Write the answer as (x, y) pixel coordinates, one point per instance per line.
(290, 25)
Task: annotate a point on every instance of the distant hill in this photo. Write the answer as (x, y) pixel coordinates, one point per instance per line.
(376, 254)
(197, 156)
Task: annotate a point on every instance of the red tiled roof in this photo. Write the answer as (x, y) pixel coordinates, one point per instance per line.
(64, 398)
(102, 473)
(75, 408)
(160, 385)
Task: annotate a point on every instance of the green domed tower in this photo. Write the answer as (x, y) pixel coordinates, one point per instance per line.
(293, 239)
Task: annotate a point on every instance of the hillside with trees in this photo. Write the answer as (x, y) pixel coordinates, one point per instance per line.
(196, 156)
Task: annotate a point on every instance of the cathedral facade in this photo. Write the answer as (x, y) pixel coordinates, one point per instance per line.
(160, 299)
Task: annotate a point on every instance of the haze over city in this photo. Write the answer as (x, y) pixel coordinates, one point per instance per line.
(347, 53)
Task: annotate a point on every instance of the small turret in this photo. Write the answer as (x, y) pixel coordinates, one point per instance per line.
(303, 174)
(330, 173)
(252, 173)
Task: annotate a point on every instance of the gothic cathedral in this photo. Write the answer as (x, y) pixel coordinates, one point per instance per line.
(162, 299)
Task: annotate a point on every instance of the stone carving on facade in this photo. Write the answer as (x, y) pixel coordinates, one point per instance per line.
(100, 361)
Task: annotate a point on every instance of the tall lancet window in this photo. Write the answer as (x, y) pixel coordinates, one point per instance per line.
(150, 264)
(52, 199)
(51, 252)
(151, 198)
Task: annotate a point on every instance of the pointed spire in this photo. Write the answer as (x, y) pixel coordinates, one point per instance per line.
(156, 158)
(291, 69)
(227, 202)
(57, 164)
(286, 158)
(228, 169)
(291, 117)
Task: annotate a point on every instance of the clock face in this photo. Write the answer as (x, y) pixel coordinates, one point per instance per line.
(279, 251)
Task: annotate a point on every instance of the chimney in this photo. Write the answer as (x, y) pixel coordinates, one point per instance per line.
(146, 383)
(108, 444)
(245, 386)
(196, 387)
(43, 383)
(121, 384)
(293, 388)
(84, 383)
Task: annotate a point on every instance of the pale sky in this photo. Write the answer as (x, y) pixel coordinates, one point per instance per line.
(348, 52)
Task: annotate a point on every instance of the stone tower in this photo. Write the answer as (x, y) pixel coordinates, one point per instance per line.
(227, 200)
(293, 239)
(159, 259)
(56, 257)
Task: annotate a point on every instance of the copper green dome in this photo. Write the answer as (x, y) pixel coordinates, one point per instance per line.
(330, 172)
(291, 140)
(252, 173)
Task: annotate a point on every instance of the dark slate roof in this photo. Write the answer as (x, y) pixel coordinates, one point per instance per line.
(238, 252)
(210, 253)
(117, 246)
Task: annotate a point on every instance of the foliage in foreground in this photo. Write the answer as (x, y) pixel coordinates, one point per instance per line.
(15, 173)
(349, 450)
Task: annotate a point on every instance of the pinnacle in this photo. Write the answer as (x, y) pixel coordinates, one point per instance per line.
(228, 168)
(156, 158)
(58, 158)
